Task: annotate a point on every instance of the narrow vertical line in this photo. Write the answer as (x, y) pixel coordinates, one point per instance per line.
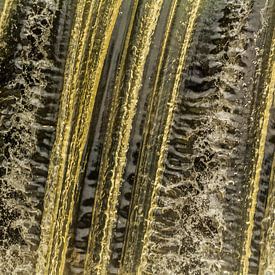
(267, 251)
(160, 64)
(254, 184)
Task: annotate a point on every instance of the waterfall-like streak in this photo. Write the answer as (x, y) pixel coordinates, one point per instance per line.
(114, 63)
(262, 127)
(111, 182)
(94, 22)
(159, 41)
(194, 12)
(195, 233)
(147, 162)
(267, 255)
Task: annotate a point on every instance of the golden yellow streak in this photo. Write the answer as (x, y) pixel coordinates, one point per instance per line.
(81, 126)
(87, 102)
(5, 13)
(107, 144)
(53, 191)
(267, 258)
(146, 30)
(66, 157)
(160, 64)
(154, 92)
(119, 162)
(174, 94)
(263, 125)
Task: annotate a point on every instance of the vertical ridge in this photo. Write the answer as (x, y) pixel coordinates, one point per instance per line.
(53, 192)
(68, 169)
(259, 156)
(138, 218)
(263, 125)
(159, 172)
(4, 14)
(109, 201)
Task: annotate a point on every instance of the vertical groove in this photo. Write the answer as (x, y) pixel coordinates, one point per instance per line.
(98, 130)
(254, 185)
(159, 172)
(267, 258)
(145, 31)
(130, 250)
(267, 248)
(153, 96)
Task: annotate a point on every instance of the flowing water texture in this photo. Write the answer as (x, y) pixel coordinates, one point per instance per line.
(137, 137)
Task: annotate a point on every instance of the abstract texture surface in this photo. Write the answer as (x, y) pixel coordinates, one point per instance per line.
(137, 137)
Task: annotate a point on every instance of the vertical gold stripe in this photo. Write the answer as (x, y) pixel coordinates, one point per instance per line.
(263, 125)
(5, 14)
(157, 183)
(107, 145)
(64, 178)
(143, 41)
(160, 64)
(53, 191)
(267, 252)
(149, 118)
